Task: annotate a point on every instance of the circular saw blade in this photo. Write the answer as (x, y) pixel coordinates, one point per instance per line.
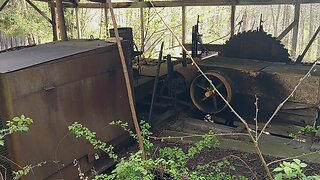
(255, 45)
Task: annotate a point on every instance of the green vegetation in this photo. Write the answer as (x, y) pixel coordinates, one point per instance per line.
(169, 162)
(293, 170)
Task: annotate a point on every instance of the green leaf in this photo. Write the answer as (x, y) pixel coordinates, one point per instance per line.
(288, 171)
(298, 161)
(278, 169)
(303, 165)
(278, 176)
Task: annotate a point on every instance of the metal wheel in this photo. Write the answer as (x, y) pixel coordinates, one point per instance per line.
(205, 98)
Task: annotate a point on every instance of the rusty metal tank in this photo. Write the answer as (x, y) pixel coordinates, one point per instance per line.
(57, 84)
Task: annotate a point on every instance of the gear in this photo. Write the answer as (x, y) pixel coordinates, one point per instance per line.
(256, 45)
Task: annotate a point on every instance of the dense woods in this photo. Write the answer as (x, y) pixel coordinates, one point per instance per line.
(21, 25)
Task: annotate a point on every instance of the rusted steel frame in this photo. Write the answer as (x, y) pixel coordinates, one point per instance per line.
(127, 79)
(300, 57)
(39, 11)
(232, 19)
(62, 24)
(4, 5)
(287, 30)
(295, 30)
(54, 23)
(188, 3)
(155, 86)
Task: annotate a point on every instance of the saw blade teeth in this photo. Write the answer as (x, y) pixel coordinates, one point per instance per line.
(255, 44)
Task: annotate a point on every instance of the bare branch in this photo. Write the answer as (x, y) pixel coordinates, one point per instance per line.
(294, 157)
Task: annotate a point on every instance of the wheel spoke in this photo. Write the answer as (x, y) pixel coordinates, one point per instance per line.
(215, 103)
(200, 86)
(219, 85)
(203, 99)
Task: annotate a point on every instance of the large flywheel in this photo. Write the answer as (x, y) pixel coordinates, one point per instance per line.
(255, 45)
(205, 98)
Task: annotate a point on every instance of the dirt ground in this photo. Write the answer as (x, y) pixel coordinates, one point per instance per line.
(246, 164)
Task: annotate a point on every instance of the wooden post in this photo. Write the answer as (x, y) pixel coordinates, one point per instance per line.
(78, 23)
(106, 20)
(295, 30)
(142, 28)
(184, 53)
(62, 24)
(54, 23)
(232, 19)
(127, 79)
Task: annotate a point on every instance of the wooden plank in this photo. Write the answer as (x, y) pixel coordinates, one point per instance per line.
(180, 3)
(287, 30)
(210, 47)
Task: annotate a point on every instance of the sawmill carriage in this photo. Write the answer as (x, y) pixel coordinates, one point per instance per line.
(254, 65)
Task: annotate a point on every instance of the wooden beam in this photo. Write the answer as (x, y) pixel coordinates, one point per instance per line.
(232, 19)
(287, 30)
(54, 23)
(106, 10)
(183, 18)
(78, 23)
(62, 24)
(142, 30)
(4, 5)
(176, 3)
(39, 11)
(295, 30)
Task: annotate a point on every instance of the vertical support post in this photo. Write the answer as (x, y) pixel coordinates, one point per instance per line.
(184, 53)
(232, 19)
(106, 20)
(54, 23)
(78, 23)
(295, 30)
(62, 23)
(142, 28)
(127, 80)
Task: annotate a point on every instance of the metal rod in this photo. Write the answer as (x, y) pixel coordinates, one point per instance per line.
(62, 24)
(39, 11)
(4, 5)
(287, 30)
(127, 79)
(300, 57)
(155, 86)
(184, 53)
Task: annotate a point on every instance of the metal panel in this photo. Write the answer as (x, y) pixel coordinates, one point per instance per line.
(26, 57)
(88, 87)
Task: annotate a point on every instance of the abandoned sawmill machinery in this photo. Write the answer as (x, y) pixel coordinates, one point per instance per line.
(251, 65)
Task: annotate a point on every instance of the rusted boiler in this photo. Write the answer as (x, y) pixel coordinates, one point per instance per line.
(56, 84)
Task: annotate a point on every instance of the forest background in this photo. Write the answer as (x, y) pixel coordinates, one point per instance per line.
(21, 25)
